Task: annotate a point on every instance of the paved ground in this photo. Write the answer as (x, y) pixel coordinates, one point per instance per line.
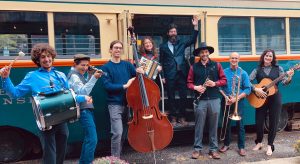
(181, 153)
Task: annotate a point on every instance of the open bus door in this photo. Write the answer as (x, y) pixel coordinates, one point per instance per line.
(125, 21)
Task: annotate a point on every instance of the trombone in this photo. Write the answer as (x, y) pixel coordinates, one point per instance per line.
(227, 108)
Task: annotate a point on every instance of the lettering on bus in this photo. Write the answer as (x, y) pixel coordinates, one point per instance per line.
(18, 101)
(6, 100)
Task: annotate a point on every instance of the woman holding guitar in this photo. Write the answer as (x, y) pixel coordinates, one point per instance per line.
(268, 68)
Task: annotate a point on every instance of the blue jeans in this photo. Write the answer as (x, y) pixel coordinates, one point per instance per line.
(90, 136)
(209, 109)
(240, 127)
(118, 122)
(54, 144)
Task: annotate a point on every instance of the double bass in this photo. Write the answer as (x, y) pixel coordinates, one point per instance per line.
(149, 130)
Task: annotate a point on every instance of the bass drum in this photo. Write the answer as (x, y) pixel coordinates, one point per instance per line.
(282, 122)
(55, 108)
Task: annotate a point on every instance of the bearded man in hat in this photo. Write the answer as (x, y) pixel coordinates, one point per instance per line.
(172, 59)
(205, 77)
(82, 82)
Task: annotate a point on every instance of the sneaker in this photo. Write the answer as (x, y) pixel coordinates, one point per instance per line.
(214, 155)
(224, 149)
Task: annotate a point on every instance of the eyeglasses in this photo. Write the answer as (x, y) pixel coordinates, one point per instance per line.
(120, 48)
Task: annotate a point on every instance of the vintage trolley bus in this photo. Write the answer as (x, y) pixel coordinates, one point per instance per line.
(73, 26)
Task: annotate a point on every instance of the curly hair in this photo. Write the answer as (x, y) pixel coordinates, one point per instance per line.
(262, 61)
(142, 49)
(40, 48)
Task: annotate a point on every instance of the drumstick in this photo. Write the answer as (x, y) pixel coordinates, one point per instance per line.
(21, 54)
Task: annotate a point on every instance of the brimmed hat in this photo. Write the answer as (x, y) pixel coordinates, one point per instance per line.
(81, 57)
(203, 46)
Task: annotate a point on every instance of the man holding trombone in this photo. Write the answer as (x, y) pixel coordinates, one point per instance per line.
(237, 88)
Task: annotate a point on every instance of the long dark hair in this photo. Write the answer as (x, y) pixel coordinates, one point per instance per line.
(261, 60)
(142, 49)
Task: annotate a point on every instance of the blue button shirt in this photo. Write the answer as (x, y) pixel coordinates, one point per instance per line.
(245, 86)
(39, 81)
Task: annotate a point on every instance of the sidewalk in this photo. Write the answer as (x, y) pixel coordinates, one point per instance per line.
(291, 160)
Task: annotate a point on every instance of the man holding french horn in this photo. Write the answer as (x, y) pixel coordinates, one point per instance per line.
(237, 88)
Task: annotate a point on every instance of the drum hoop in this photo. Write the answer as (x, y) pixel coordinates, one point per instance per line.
(40, 123)
(76, 104)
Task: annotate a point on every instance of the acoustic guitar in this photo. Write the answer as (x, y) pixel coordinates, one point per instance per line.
(269, 87)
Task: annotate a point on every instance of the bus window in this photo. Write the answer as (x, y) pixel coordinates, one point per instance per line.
(270, 33)
(19, 31)
(295, 35)
(76, 33)
(156, 26)
(234, 35)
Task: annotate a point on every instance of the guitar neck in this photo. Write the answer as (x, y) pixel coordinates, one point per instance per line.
(276, 81)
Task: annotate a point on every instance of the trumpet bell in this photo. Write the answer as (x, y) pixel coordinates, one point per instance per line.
(235, 117)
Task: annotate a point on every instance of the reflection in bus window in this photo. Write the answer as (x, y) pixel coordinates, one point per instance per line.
(234, 35)
(19, 31)
(295, 35)
(76, 33)
(270, 33)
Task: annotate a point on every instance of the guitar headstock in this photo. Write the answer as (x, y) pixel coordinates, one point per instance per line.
(296, 66)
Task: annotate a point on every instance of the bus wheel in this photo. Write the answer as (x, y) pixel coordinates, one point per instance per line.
(282, 122)
(12, 145)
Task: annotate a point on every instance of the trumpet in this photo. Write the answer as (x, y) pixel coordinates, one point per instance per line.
(94, 69)
(227, 107)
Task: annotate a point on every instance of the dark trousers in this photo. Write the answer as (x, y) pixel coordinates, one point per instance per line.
(54, 144)
(239, 125)
(272, 107)
(179, 83)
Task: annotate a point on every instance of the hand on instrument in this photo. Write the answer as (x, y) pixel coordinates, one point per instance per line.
(97, 74)
(89, 99)
(210, 83)
(290, 73)
(129, 82)
(140, 70)
(5, 71)
(200, 88)
(260, 92)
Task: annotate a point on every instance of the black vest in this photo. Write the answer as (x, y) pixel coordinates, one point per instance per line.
(274, 73)
(202, 72)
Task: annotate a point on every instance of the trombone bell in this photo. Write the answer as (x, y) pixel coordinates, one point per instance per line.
(235, 117)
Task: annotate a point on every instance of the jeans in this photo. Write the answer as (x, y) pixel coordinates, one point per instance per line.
(118, 121)
(209, 109)
(54, 144)
(90, 137)
(240, 127)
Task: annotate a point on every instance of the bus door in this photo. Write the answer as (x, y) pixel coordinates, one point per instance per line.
(156, 26)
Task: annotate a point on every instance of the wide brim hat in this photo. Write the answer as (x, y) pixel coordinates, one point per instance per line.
(203, 46)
